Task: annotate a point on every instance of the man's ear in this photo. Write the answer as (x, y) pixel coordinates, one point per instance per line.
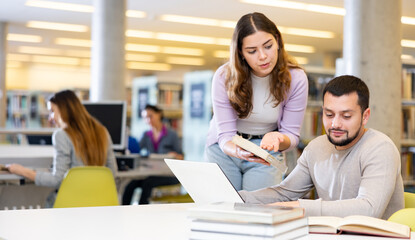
(366, 115)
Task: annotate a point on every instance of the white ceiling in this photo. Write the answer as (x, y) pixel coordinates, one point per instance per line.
(17, 14)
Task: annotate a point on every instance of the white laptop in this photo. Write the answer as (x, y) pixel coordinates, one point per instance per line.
(204, 181)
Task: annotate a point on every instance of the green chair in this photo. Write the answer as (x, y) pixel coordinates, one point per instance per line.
(409, 199)
(405, 216)
(87, 187)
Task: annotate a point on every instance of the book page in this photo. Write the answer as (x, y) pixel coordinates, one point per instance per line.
(375, 223)
(332, 222)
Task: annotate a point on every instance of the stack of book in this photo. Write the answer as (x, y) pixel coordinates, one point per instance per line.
(246, 221)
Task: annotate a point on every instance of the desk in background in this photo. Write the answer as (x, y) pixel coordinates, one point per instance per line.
(12, 193)
(158, 221)
(15, 195)
(143, 168)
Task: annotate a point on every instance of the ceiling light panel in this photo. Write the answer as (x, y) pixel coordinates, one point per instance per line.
(177, 37)
(406, 56)
(78, 53)
(135, 14)
(24, 38)
(306, 32)
(299, 48)
(18, 57)
(183, 51)
(60, 6)
(13, 64)
(77, 7)
(73, 42)
(408, 43)
(142, 48)
(149, 66)
(185, 38)
(140, 34)
(301, 60)
(57, 26)
(408, 20)
(232, 24)
(166, 50)
(140, 57)
(56, 60)
(186, 61)
(198, 21)
(39, 50)
(299, 6)
(221, 54)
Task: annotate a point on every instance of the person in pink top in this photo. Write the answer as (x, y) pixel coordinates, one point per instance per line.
(261, 94)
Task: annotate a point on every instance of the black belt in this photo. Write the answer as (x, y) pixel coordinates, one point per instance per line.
(250, 136)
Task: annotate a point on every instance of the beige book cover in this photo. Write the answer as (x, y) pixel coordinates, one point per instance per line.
(258, 151)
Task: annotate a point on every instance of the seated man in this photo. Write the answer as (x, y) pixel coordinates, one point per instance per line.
(355, 170)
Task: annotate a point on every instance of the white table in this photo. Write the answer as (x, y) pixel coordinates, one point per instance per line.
(164, 221)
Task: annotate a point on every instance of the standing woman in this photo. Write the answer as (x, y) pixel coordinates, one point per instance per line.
(261, 94)
(80, 141)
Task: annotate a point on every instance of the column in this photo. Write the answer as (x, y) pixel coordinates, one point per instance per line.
(372, 51)
(3, 54)
(107, 58)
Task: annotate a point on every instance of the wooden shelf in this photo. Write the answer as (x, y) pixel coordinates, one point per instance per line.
(27, 131)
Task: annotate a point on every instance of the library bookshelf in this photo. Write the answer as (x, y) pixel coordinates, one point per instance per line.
(408, 125)
(166, 95)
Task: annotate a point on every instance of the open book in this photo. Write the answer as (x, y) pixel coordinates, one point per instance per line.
(258, 151)
(358, 224)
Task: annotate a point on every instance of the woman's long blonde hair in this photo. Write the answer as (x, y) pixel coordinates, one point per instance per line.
(88, 136)
(238, 72)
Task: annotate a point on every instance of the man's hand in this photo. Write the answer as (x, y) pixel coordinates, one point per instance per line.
(287, 204)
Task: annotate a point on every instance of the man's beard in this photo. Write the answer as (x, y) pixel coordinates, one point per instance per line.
(345, 141)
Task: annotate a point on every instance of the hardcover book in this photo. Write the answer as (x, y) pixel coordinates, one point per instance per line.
(257, 229)
(291, 234)
(244, 212)
(259, 152)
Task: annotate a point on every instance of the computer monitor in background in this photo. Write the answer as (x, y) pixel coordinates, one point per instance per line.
(45, 139)
(113, 115)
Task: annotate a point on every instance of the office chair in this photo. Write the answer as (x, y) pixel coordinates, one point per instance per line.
(87, 187)
(409, 199)
(405, 216)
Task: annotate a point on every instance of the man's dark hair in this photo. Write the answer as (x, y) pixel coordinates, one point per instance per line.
(347, 84)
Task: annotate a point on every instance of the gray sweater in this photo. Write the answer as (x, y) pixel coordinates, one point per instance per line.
(362, 180)
(65, 158)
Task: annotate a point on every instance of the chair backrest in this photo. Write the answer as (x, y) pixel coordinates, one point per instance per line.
(404, 216)
(409, 199)
(87, 187)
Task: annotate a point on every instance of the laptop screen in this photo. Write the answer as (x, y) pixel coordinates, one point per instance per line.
(204, 181)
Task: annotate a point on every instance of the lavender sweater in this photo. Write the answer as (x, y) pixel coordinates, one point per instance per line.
(223, 123)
